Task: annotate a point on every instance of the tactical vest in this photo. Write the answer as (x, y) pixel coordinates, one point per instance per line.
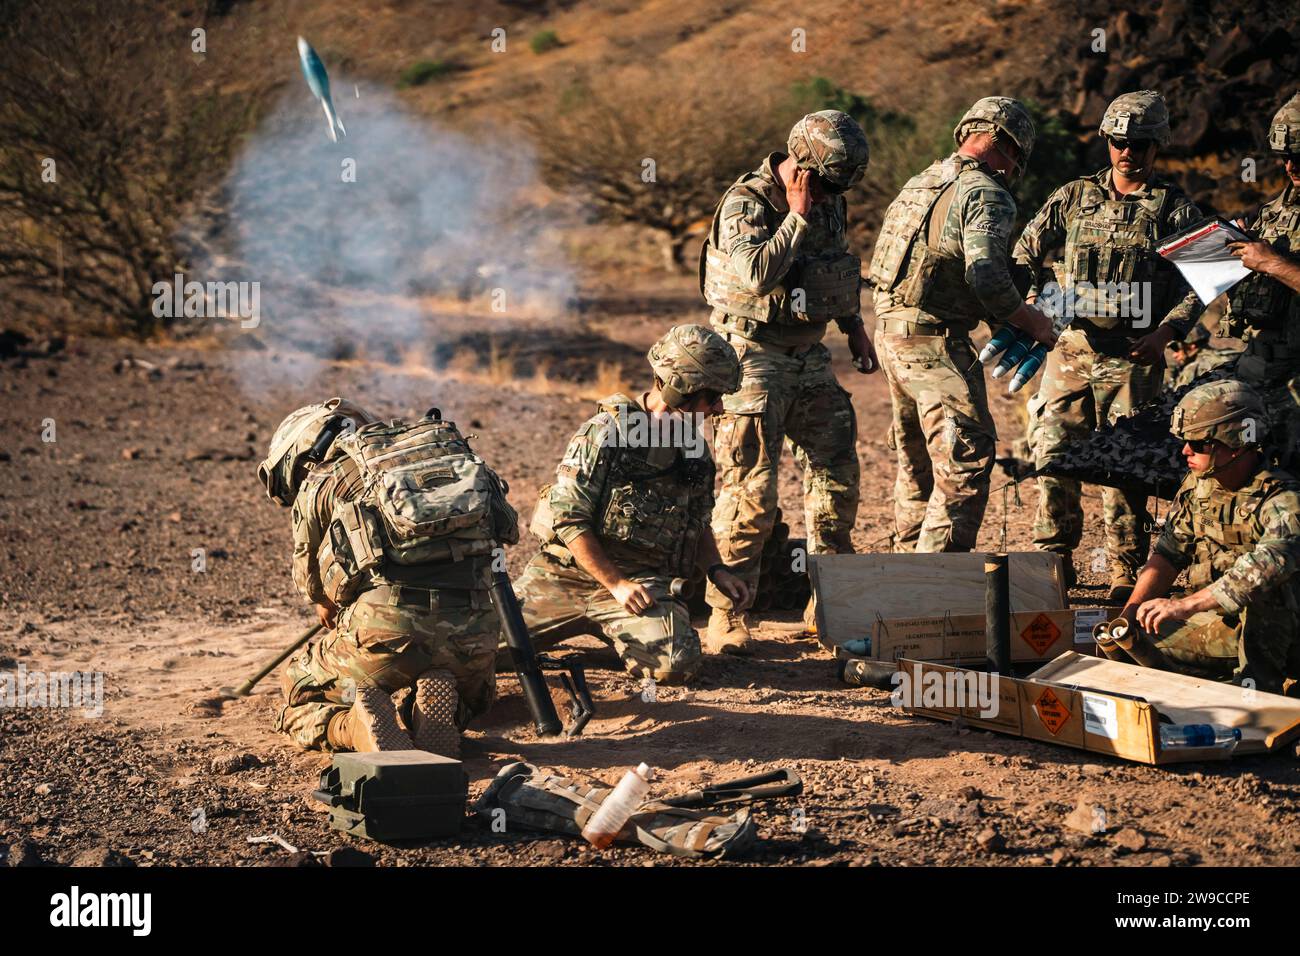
(1226, 524)
(823, 284)
(1111, 241)
(1258, 301)
(908, 263)
(656, 502)
(426, 499)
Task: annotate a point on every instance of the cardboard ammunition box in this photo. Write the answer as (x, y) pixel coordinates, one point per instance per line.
(1036, 636)
(395, 794)
(1099, 705)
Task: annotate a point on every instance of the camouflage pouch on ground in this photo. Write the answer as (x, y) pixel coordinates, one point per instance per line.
(540, 799)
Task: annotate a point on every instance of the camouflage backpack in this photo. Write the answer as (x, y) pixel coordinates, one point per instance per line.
(426, 499)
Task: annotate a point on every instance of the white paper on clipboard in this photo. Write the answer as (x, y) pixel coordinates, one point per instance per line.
(1201, 255)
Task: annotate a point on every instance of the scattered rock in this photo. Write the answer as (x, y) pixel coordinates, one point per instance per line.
(970, 793)
(25, 853)
(1059, 856)
(349, 856)
(43, 789)
(100, 856)
(1087, 817)
(552, 850)
(990, 840)
(130, 454)
(1130, 839)
(225, 764)
(301, 858)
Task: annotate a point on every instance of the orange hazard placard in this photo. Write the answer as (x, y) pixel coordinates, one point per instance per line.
(1051, 711)
(1041, 633)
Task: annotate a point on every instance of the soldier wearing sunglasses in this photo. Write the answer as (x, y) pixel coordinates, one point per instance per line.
(1235, 529)
(1126, 306)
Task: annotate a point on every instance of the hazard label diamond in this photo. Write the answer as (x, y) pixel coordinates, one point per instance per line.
(1051, 711)
(1041, 634)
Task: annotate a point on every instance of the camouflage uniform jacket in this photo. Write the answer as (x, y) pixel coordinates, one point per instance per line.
(925, 271)
(1245, 545)
(338, 479)
(1111, 238)
(755, 253)
(648, 502)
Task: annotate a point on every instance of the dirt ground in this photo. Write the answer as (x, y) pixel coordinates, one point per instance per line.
(98, 530)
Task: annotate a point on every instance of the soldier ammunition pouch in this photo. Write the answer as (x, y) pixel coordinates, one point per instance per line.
(827, 288)
(426, 499)
(540, 799)
(1111, 246)
(648, 521)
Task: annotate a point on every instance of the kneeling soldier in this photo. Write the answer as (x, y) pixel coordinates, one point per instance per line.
(394, 526)
(629, 511)
(1235, 527)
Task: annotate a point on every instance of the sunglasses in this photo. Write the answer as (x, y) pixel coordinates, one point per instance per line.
(1201, 446)
(1136, 145)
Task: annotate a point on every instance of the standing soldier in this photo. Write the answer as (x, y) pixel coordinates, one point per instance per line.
(1235, 528)
(1108, 361)
(1263, 308)
(629, 511)
(776, 269)
(940, 267)
(394, 526)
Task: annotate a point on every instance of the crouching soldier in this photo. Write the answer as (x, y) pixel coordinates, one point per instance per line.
(629, 511)
(394, 525)
(1235, 528)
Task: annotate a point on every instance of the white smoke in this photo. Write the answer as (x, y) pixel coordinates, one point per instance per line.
(437, 228)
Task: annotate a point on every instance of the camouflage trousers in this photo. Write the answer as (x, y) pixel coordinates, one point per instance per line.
(784, 393)
(382, 642)
(1262, 646)
(1081, 389)
(560, 601)
(944, 439)
(1278, 385)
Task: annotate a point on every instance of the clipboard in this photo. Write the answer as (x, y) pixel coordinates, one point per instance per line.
(1200, 253)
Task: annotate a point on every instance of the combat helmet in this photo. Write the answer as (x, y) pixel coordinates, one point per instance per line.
(999, 114)
(1140, 115)
(691, 358)
(831, 143)
(1227, 411)
(309, 430)
(1284, 132)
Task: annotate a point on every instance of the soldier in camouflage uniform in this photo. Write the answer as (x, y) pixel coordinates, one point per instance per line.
(1235, 528)
(1194, 356)
(629, 511)
(1117, 288)
(426, 631)
(1264, 308)
(776, 269)
(940, 267)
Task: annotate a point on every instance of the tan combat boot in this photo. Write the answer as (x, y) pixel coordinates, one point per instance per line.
(433, 715)
(1121, 586)
(373, 724)
(727, 633)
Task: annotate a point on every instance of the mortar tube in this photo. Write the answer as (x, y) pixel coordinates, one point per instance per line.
(1106, 644)
(1137, 645)
(997, 612)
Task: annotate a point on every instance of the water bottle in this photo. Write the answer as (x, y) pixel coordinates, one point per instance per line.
(1000, 342)
(614, 812)
(1014, 355)
(1175, 736)
(1028, 368)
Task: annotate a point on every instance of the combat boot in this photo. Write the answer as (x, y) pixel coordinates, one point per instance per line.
(728, 633)
(1121, 586)
(372, 723)
(433, 714)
